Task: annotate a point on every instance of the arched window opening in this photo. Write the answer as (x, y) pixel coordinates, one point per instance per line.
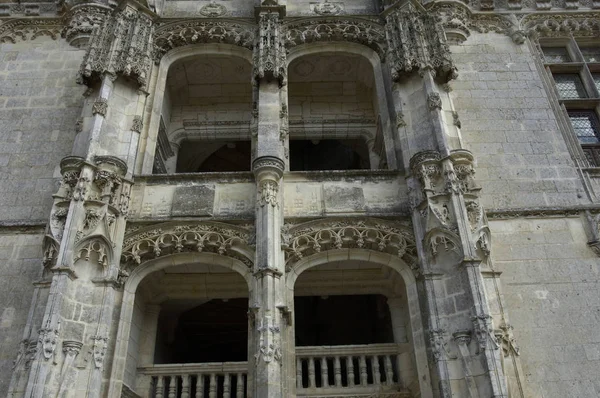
(332, 99)
(213, 156)
(207, 105)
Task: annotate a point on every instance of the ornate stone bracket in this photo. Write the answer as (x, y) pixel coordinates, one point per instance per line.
(303, 240)
(269, 52)
(170, 238)
(121, 45)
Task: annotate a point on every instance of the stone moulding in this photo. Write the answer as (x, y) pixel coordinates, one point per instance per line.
(354, 30)
(170, 238)
(562, 25)
(303, 240)
(181, 33)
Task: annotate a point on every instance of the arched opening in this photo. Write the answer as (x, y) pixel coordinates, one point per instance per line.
(189, 330)
(334, 113)
(356, 326)
(205, 116)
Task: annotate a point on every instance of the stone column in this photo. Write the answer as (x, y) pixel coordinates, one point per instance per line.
(268, 166)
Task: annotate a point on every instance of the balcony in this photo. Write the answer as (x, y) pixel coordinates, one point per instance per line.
(352, 370)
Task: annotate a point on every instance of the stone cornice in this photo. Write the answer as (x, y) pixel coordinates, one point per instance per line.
(540, 212)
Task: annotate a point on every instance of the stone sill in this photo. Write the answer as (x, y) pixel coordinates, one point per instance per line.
(178, 178)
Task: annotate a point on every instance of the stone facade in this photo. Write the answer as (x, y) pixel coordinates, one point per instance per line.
(163, 161)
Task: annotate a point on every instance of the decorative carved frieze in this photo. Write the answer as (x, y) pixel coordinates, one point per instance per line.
(303, 240)
(29, 29)
(120, 46)
(328, 7)
(354, 30)
(160, 240)
(562, 25)
(416, 42)
(269, 52)
(177, 34)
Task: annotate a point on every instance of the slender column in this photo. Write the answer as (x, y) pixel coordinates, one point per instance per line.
(350, 367)
(269, 144)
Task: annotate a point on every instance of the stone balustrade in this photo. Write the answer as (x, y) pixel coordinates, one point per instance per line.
(351, 369)
(198, 380)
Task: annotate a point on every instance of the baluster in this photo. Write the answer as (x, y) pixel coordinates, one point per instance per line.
(298, 373)
(173, 387)
(227, 386)
(350, 370)
(311, 373)
(324, 373)
(363, 371)
(185, 386)
(389, 370)
(160, 386)
(239, 387)
(212, 387)
(200, 386)
(376, 371)
(337, 370)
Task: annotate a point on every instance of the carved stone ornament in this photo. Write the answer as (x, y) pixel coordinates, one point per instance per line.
(99, 248)
(213, 10)
(138, 124)
(120, 46)
(269, 51)
(268, 192)
(303, 240)
(100, 346)
(434, 101)
(177, 34)
(100, 107)
(48, 339)
(484, 333)
(170, 238)
(269, 341)
(416, 42)
(353, 30)
(438, 343)
(328, 8)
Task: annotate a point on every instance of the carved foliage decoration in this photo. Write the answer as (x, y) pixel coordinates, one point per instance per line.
(269, 51)
(81, 20)
(416, 43)
(359, 31)
(121, 45)
(173, 35)
(160, 240)
(302, 240)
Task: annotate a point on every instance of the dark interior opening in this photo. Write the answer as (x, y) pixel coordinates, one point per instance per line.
(213, 156)
(315, 155)
(342, 320)
(216, 331)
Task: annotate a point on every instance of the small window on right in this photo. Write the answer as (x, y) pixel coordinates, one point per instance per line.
(575, 68)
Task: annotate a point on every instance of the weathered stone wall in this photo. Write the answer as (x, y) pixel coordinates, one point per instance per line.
(507, 122)
(20, 266)
(39, 106)
(550, 287)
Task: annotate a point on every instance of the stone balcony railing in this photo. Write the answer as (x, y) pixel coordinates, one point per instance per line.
(353, 370)
(196, 380)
